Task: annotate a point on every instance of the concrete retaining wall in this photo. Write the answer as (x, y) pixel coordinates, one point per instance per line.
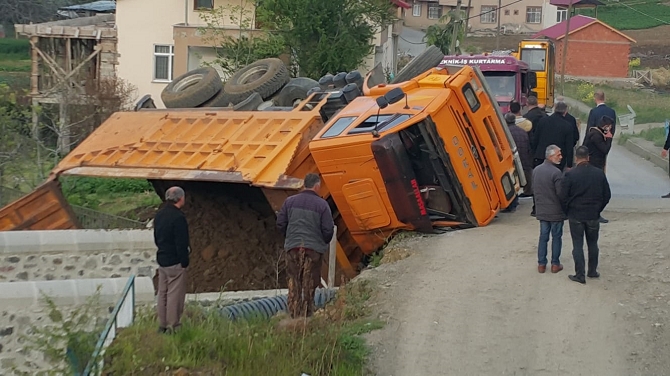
(648, 151)
(68, 254)
(22, 307)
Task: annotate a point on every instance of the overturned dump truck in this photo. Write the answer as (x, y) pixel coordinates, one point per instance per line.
(429, 153)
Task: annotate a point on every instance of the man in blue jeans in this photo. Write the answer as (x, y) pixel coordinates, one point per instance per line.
(548, 209)
(584, 192)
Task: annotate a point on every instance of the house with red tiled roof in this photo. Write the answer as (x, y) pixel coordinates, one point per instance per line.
(595, 49)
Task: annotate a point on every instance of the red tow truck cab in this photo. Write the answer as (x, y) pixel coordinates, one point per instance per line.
(510, 79)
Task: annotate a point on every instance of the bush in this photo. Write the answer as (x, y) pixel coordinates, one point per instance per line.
(88, 185)
(19, 47)
(585, 91)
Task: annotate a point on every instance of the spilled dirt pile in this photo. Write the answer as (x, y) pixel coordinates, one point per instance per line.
(234, 241)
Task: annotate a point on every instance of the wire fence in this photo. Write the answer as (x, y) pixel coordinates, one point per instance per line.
(87, 218)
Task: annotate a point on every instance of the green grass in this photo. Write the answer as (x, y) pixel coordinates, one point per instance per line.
(9, 46)
(14, 65)
(329, 344)
(655, 135)
(623, 18)
(649, 107)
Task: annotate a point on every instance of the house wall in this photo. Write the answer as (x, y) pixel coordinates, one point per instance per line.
(512, 18)
(595, 51)
(142, 24)
(550, 15)
(383, 53)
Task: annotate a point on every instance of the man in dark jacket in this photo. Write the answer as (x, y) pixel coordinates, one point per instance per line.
(523, 147)
(599, 141)
(584, 194)
(172, 240)
(554, 130)
(534, 114)
(306, 221)
(664, 154)
(547, 184)
(572, 120)
(600, 110)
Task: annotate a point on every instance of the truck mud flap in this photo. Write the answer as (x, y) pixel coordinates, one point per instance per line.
(43, 209)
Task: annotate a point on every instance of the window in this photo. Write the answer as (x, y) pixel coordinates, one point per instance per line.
(339, 126)
(561, 15)
(416, 10)
(507, 12)
(533, 14)
(163, 62)
(380, 122)
(471, 97)
(488, 14)
(203, 4)
(516, 12)
(434, 12)
(535, 58)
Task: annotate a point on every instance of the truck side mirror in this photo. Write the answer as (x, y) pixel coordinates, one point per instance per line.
(532, 80)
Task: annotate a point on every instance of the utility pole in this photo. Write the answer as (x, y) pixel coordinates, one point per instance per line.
(457, 27)
(467, 19)
(565, 47)
(498, 17)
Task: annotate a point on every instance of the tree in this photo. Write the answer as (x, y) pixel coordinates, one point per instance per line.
(441, 33)
(26, 11)
(234, 51)
(326, 36)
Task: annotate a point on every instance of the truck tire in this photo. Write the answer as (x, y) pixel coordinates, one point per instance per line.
(250, 104)
(295, 90)
(221, 99)
(265, 77)
(430, 58)
(192, 89)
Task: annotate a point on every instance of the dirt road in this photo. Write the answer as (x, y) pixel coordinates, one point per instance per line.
(472, 303)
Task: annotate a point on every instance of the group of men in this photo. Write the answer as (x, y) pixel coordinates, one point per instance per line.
(305, 220)
(566, 181)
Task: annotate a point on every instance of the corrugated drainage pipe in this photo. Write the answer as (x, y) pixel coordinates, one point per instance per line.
(268, 307)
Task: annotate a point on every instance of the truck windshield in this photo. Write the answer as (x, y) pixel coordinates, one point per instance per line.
(503, 84)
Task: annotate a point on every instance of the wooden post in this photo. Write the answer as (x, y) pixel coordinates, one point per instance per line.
(498, 16)
(35, 69)
(332, 252)
(457, 27)
(565, 48)
(467, 19)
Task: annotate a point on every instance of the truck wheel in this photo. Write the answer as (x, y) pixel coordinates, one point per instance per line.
(221, 99)
(430, 58)
(192, 89)
(295, 90)
(265, 77)
(250, 104)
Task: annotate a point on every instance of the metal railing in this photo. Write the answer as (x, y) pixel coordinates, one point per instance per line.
(92, 219)
(122, 317)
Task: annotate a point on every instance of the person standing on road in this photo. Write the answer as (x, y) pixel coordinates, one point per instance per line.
(572, 120)
(523, 147)
(172, 240)
(664, 154)
(527, 126)
(534, 114)
(599, 141)
(585, 193)
(547, 184)
(554, 130)
(306, 222)
(600, 110)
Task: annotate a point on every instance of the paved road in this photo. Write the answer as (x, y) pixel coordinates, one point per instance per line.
(471, 302)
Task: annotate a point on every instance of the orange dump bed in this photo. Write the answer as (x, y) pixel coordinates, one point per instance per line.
(43, 209)
(203, 145)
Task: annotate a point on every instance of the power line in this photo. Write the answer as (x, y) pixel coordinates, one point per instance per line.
(642, 13)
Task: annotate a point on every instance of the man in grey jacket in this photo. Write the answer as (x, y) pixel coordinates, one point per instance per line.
(548, 210)
(306, 221)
